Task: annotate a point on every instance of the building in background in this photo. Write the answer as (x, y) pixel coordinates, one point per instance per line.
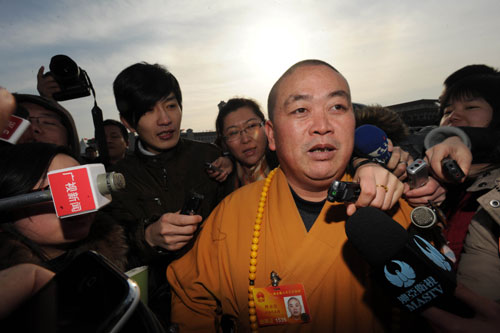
(418, 114)
(207, 136)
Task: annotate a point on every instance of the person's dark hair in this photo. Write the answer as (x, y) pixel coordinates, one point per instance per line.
(232, 105)
(485, 86)
(123, 129)
(271, 100)
(292, 298)
(384, 118)
(22, 167)
(469, 70)
(140, 86)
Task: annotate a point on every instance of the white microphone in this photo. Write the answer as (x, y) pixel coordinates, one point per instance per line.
(82, 189)
(74, 191)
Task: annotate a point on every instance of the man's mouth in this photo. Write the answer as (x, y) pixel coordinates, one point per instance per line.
(324, 149)
(322, 152)
(165, 135)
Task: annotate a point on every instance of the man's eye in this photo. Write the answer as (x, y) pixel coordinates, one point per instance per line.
(49, 122)
(252, 126)
(300, 110)
(339, 107)
(171, 105)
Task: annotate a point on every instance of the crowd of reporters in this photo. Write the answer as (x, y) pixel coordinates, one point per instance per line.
(142, 225)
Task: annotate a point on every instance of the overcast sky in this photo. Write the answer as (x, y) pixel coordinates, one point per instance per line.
(389, 51)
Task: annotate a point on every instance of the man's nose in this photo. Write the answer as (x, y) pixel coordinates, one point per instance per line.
(163, 117)
(320, 122)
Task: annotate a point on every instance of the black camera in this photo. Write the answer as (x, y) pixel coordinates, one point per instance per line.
(343, 191)
(192, 204)
(72, 80)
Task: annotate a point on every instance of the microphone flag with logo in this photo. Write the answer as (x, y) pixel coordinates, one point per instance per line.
(412, 272)
(82, 189)
(18, 123)
(370, 141)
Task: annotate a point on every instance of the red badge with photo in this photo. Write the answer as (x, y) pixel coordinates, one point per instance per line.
(281, 305)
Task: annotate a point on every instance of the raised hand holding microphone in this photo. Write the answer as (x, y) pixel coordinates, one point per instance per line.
(453, 148)
(373, 143)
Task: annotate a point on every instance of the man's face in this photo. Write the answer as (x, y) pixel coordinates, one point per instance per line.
(46, 125)
(117, 146)
(159, 128)
(313, 129)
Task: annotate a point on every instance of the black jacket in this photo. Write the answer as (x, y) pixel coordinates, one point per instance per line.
(156, 185)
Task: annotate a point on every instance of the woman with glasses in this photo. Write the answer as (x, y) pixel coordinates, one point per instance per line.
(240, 132)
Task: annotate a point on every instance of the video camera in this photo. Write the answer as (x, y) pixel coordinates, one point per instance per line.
(73, 80)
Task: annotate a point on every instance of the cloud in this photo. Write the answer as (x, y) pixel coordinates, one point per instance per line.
(389, 51)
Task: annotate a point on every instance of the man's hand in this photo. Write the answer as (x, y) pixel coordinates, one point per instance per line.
(46, 85)
(379, 188)
(487, 318)
(226, 167)
(432, 190)
(452, 147)
(172, 230)
(398, 162)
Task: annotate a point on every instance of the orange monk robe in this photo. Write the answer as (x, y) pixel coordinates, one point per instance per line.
(212, 279)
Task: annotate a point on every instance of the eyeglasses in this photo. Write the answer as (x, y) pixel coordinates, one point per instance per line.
(46, 121)
(250, 129)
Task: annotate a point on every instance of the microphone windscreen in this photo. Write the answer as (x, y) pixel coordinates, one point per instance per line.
(375, 235)
(372, 141)
(423, 217)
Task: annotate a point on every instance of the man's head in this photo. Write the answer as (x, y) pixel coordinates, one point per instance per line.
(311, 126)
(116, 139)
(50, 122)
(149, 100)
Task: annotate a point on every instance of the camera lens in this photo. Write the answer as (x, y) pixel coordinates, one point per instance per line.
(64, 68)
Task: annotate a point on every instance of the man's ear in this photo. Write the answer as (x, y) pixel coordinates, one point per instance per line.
(270, 135)
(127, 125)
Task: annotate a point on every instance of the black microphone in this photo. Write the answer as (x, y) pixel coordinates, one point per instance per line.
(409, 268)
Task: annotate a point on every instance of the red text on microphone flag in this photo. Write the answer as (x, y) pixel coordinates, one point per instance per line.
(71, 192)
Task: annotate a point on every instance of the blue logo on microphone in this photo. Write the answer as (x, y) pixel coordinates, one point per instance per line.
(432, 253)
(403, 276)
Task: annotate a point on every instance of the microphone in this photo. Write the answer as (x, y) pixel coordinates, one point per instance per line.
(74, 191)
(17, 125)
(409, 268)
(371, 141)
(423, 217)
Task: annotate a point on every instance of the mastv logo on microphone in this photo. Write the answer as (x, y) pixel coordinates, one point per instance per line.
(402, 275)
